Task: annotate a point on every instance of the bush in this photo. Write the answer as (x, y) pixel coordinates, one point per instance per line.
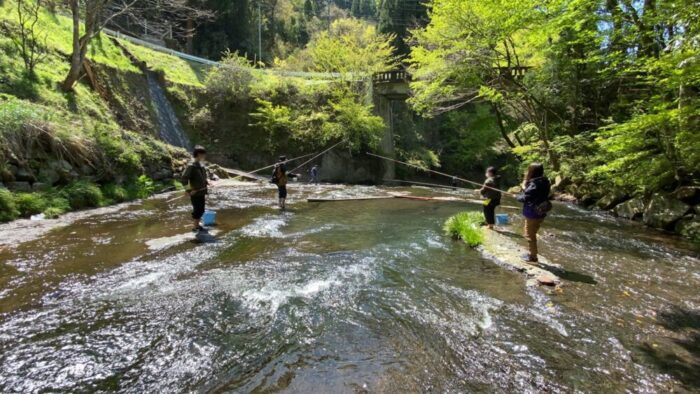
(467, 227)
(30, 203)
(115, 193)
(142, 187)
(53, 212)
(8, 208)
(82, 194)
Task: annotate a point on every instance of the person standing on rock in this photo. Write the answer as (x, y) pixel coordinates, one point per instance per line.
(196, 182)
(492, 197)
(279, 178)
(536, 204)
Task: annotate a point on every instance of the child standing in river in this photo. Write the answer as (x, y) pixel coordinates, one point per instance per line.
(195, 179)
(492, 197)
(279, 178)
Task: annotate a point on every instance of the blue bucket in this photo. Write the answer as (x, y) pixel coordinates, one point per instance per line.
(502, 219)
(209, 218)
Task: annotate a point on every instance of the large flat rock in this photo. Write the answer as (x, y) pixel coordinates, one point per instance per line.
(507, 253)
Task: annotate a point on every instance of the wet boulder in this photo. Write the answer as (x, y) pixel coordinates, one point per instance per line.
(632, 209)
(688, 194)
(689, 227)
(664, 210)
(611, 199)
(561, 183)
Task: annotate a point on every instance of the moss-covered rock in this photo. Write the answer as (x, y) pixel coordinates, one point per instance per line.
(611, 199)
(664, 210)
(689, 227)
(632, 209)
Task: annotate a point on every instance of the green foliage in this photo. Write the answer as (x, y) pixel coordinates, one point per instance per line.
(232, 81)
(350, 46)
(467, 227)
(141, 187)
(83, 194)
(8, 208)
(115, 193)
(30, 203)
(353, 122)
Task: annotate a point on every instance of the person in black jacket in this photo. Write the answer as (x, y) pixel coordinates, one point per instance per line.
(492, 197)
(280, 178)
(196, 181)
(535, 198)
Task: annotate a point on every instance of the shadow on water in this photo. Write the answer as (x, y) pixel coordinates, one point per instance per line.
(682, 358)
(571, 276)
(568, 275)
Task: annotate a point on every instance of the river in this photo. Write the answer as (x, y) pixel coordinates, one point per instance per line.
(363, 296)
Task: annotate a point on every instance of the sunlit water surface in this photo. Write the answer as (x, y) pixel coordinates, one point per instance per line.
(365, 296)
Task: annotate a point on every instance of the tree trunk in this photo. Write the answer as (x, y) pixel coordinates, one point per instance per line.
(499, 120)
(76, 58)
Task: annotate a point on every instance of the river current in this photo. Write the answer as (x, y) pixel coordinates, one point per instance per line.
(360, 296)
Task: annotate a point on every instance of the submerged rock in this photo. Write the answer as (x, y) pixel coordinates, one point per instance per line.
(632, 209)
(663, 211)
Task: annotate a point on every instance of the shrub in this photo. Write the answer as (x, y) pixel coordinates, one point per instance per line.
(467, 227)
(115, 192)
(141, 187)
(53, 212)
(82, 194)
(30, 203)
(8, 209)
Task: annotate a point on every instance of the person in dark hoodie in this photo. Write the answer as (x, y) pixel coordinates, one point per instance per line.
(280, 178)
(196, 181)
(535, 199)
(492, 197)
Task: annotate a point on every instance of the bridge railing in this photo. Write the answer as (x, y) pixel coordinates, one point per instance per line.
(394, 76)
(200, 60)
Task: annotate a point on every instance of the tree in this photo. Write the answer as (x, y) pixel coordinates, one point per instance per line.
(397, 17)
(350, 46)
(27, 40)
(91, 16)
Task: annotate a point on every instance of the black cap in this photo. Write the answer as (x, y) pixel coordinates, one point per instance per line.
(283, 158)
(199, 149)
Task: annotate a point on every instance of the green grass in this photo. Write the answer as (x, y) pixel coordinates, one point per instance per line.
(176, 70)
(467, 227)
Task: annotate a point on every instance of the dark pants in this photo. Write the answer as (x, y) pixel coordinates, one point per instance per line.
(198, 206)
(282, 191)
(490, 211)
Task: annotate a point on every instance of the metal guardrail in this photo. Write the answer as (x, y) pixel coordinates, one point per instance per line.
(200, 60)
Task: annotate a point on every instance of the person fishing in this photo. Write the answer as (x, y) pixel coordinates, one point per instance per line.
(536, 204)
(492, 197)
(280, 178)
(196, 181)
(314, 174)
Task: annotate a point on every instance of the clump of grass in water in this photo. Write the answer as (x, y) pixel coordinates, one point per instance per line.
(467, 227)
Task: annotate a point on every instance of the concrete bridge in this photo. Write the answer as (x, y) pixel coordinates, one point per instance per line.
(390, 90)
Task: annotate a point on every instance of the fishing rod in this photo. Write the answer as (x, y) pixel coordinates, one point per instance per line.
(284, 162)
(441, 173)
(428, 184)
(314, 158)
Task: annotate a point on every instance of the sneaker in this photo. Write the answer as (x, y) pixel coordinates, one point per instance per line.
(528, 259)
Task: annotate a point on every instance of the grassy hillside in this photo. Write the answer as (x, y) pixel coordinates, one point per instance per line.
(61, 151)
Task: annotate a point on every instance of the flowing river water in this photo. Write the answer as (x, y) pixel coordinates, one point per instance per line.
(362, 296)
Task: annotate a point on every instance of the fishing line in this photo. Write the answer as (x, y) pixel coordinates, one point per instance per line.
(313, 158)
(441, 173)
